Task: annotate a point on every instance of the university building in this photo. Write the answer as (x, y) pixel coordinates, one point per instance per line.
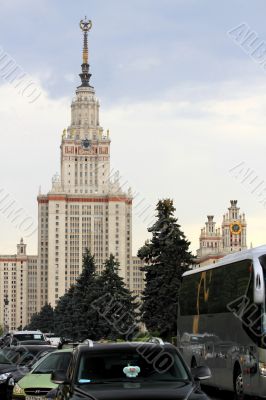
(137, 276)
(86, 207)
(18, 288)
(215, 243)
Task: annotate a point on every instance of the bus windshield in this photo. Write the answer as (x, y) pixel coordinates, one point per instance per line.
(262, 260)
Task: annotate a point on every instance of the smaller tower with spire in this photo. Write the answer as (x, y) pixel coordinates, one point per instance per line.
(21, 248)
(210, 239)
(234, 228)
(216, 243)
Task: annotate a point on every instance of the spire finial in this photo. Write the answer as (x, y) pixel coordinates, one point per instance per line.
(85, 26)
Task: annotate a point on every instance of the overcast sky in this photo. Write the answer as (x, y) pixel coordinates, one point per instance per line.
(185, 103)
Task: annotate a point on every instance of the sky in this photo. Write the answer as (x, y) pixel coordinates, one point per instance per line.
(182, 91)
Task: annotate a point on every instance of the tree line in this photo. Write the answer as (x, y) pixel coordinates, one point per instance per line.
(101, 306)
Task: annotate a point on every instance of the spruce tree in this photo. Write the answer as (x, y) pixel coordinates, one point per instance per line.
(86, 290)
(44, 320)
(64, 311)
(117, 308)
(166, 258)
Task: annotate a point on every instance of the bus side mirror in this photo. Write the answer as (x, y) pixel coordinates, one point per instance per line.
(259, 287)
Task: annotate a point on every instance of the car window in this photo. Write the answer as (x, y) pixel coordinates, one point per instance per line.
(152, 365)
(54, 361)
(27, 336)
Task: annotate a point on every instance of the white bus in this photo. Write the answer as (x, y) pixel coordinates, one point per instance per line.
(222, 321)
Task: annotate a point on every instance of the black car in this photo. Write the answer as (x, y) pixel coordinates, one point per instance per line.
(5, 340)
(146, 371)
(17, 362)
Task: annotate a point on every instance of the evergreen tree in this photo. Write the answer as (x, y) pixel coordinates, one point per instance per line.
(64, 311)
(86, 291)
(44, 320)
(166, 258)
(117, 308)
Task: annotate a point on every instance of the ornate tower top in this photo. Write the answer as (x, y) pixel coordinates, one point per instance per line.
(85, 26)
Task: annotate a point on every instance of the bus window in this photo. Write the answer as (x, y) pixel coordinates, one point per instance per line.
(228, 285)
(188, 295)
(212, 292)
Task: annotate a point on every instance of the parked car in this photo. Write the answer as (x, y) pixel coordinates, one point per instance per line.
(127, 371)
(18, 337)
(17, 362)
(36, 384)
(5, 340)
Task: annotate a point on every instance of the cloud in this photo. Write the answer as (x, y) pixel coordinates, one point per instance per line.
(181, 147)
(30, 140)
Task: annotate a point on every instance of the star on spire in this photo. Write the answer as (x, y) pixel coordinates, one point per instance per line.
(85, 26)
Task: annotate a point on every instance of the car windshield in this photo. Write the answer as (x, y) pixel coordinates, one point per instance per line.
(22, 337)
(131, 365)
(53, 362)
(8, 356)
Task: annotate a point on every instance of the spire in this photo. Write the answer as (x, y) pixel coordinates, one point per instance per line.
(85, 26)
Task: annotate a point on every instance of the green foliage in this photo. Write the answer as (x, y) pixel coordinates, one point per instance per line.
(166, 258)
(44, 320)
(75, 317)
(117, 307)
(95, 307)
(86, 291)
(1, 330)
(64, 311)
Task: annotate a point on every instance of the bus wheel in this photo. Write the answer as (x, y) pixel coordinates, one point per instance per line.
(238, 385)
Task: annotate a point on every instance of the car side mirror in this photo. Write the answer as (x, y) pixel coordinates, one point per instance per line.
(201, 373)
(58, 377)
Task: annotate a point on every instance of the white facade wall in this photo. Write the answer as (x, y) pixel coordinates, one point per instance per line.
(18, 278)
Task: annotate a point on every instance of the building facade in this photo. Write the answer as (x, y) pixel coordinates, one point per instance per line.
(215, 243)
(137, 277)
(86, 207)
(18, 288)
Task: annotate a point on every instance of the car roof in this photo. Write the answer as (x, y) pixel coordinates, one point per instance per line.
(121, 346)
(27, 332)
(32, 346)
(68, 350)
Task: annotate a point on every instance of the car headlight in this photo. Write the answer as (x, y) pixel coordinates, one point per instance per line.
(262, 368)
(4, 377)
(11, 382)
(18, 391)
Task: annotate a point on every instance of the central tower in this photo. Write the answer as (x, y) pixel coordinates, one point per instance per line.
(85, 208)
(85, 148)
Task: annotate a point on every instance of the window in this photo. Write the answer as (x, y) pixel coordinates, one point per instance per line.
(214, 289)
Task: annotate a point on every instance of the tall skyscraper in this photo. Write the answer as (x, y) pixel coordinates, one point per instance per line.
(216, 243)
(86, 207)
